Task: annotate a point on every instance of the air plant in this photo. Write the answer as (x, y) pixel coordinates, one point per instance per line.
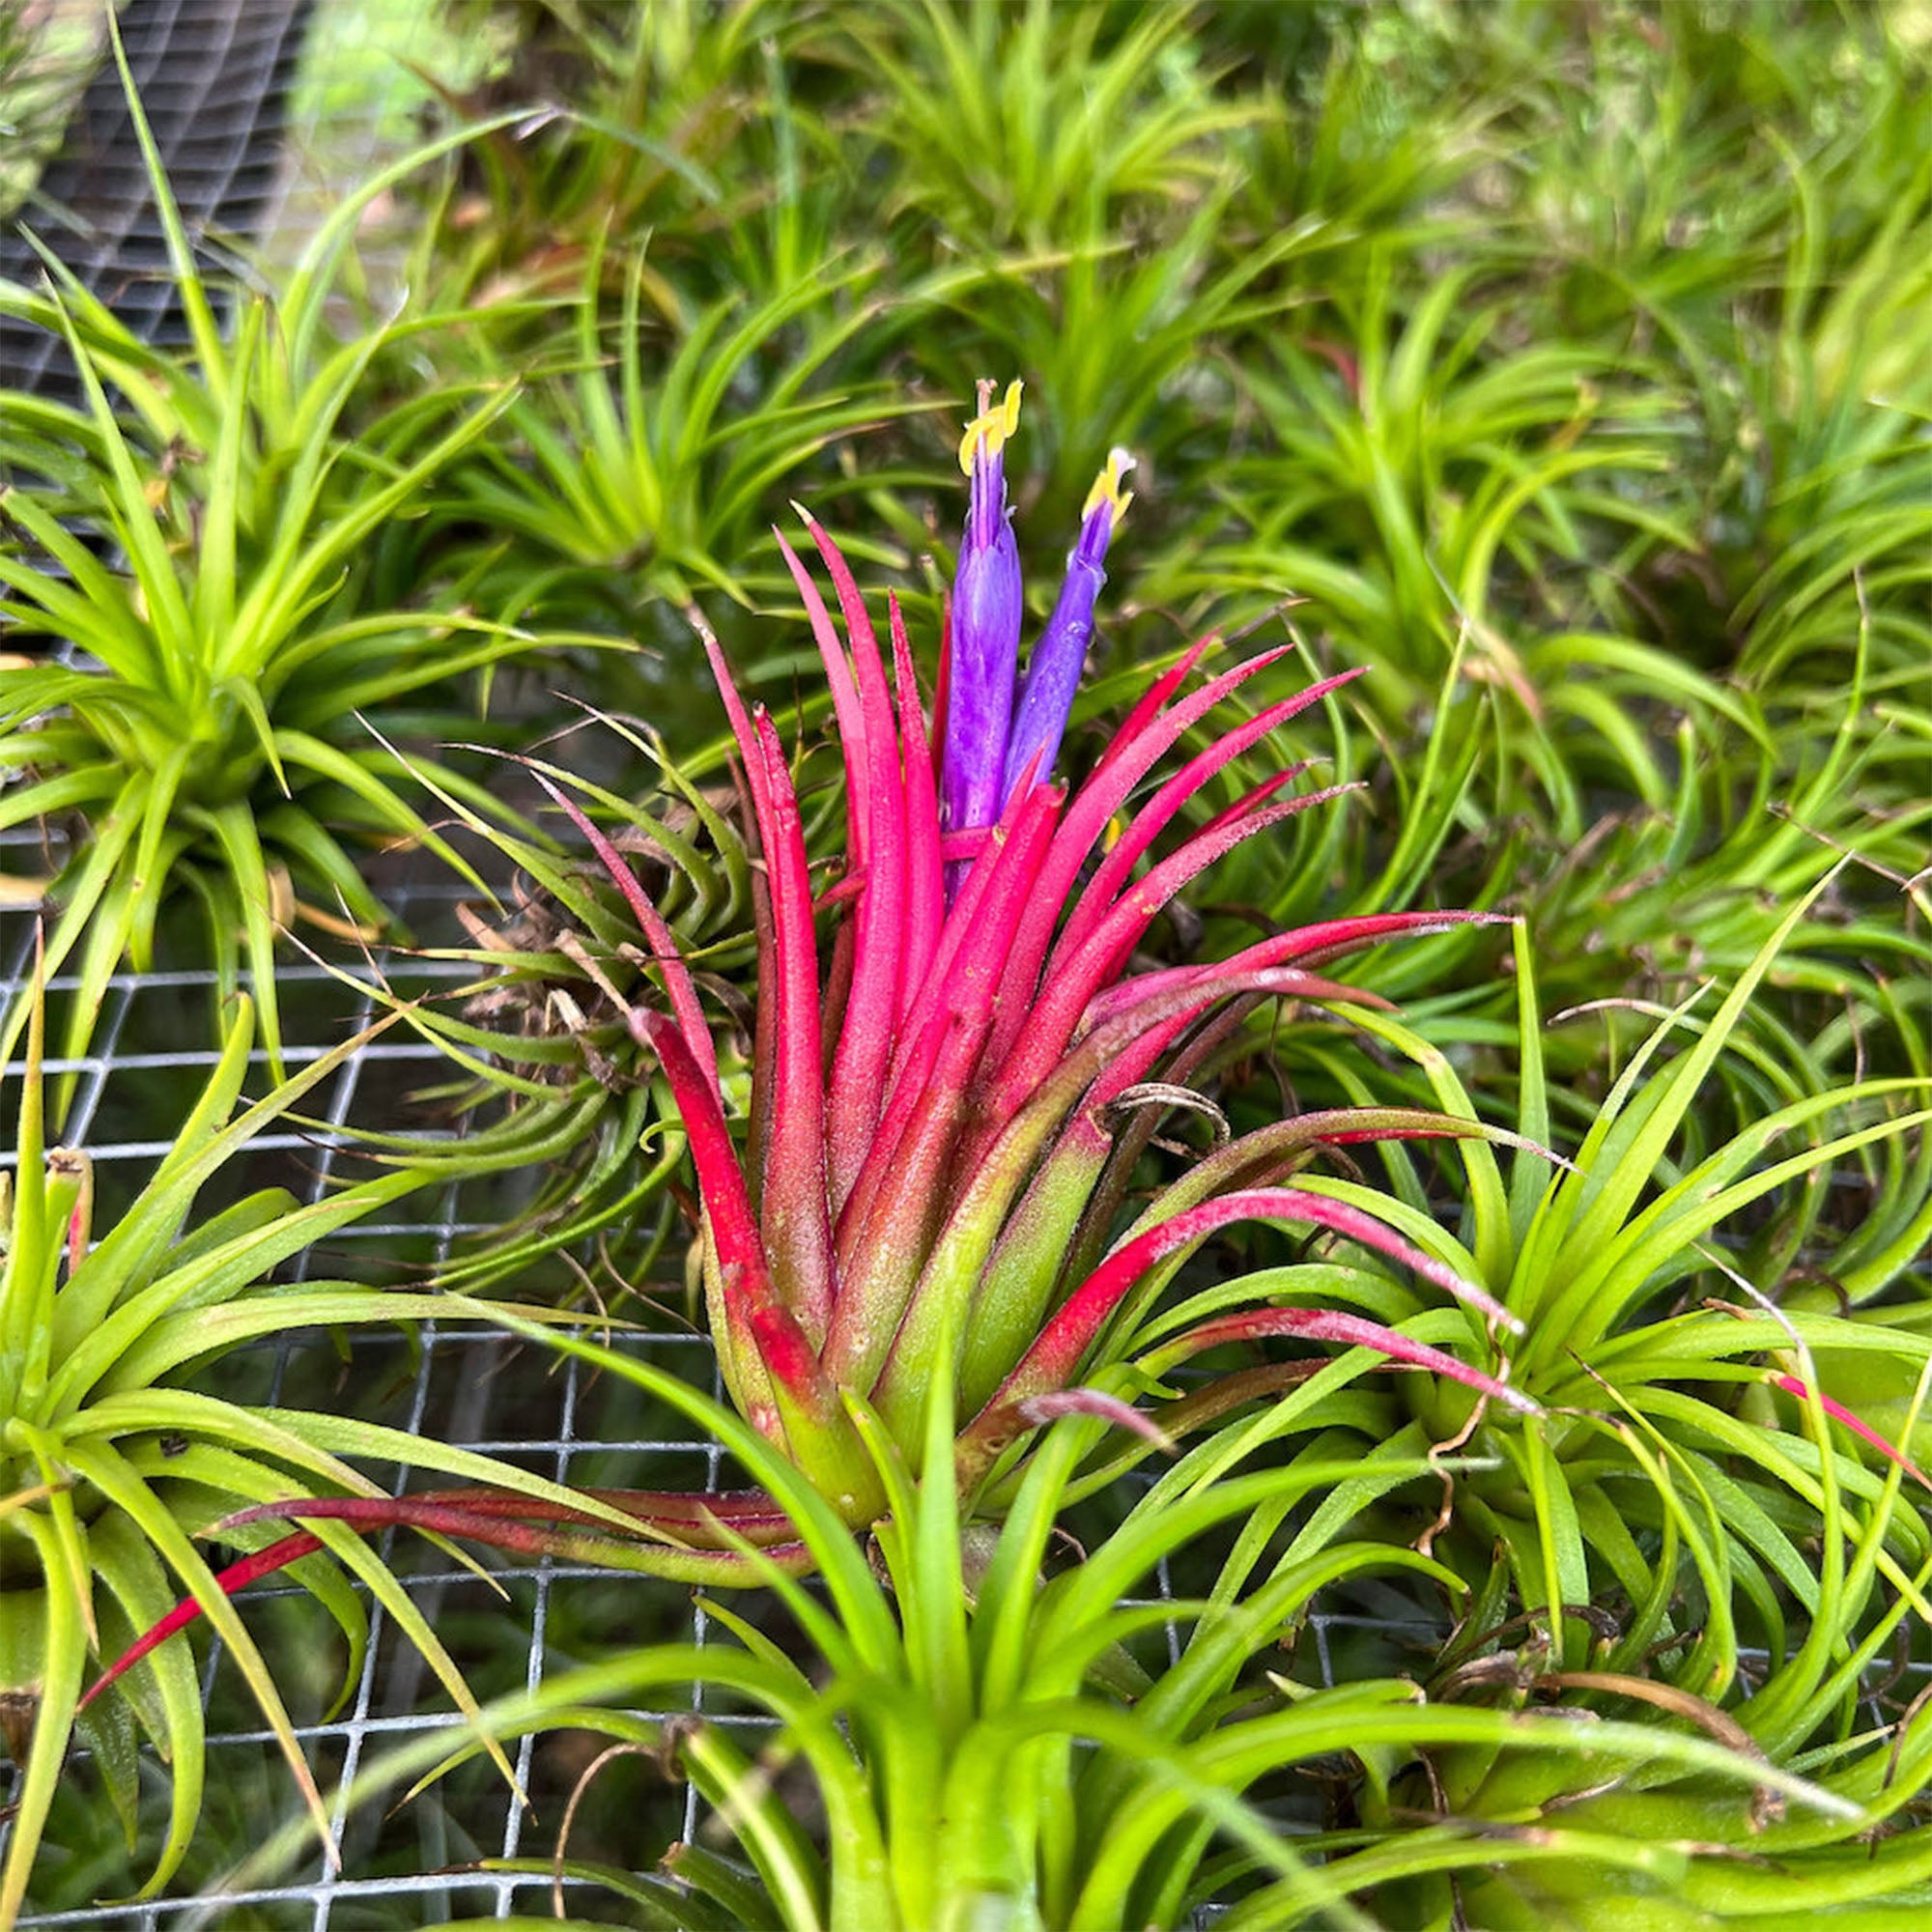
(189, 725)
(1687, 1299)
(108, 1464)
(1741, 1860)
(1419, 469)
(998, 1734)
(949, 1101)
(635, 473)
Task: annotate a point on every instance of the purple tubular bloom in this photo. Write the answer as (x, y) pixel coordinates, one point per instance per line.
(1053, 671)
(985, 639)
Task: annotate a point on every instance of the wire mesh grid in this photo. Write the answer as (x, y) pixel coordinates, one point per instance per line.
(214, 78)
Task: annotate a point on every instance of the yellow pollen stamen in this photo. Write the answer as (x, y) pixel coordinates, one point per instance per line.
(1107, 486)
(992, 427)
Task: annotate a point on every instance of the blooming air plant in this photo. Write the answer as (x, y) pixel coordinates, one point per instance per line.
(951, 1069)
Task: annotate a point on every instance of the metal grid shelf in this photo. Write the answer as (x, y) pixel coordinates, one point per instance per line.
(214, 76)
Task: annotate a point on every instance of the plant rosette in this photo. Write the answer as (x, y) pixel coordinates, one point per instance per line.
(194, 715)
(994, 1731)
(953, 1086)
(1698, 1481)
(111, 1465)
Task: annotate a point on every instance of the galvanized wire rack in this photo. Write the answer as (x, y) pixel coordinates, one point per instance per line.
(215, 79)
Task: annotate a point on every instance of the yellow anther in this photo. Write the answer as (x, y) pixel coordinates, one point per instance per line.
(1107, 486)
(992, 427)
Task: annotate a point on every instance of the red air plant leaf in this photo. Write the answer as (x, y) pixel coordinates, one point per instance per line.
(1795, 1385)
(237, 1577)
(668, 1522)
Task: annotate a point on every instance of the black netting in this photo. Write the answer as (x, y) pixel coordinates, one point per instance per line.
(215, 78)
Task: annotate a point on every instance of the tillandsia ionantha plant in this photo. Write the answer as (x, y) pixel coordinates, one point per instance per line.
(1667, 1281)
(632, 476)
(949, 1095)
(1730, 1367)
(113, 1463)
(108, 1464)
(997, 1733)
(196, 712)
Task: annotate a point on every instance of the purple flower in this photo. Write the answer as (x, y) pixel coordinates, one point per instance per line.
(1053, 671)
(986, 637)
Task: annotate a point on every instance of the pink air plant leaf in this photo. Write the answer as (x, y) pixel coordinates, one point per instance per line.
(1002, 1425)
(1083, 827)
(876, 856)
(1077, 1323)
(1307, 944)
(1054, 1015)
(1036, 1411)
(1154, 699)
(1863, 1430)
(1328, 1325)
(794, 1206)
(1159, 812)
(1141, 742)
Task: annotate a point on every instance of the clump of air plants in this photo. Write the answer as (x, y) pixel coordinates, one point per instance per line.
(109, 1467)
(994, 1731)
(952, 1083)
